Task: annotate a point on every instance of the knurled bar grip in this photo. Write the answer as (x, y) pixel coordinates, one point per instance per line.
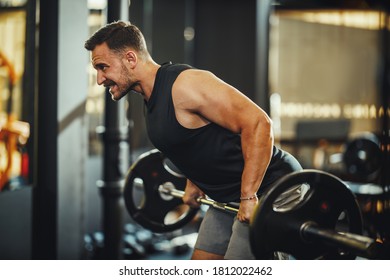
(179, 194)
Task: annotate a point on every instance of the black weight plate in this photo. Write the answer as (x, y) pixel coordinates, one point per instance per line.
(143, 200)
(362, 157)
(279, 230)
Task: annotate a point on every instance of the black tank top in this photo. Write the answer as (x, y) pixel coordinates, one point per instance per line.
(210, 156)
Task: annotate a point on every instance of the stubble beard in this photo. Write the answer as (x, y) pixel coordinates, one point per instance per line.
(123, 90)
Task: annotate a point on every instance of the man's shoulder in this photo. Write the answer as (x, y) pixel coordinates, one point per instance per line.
(177, 67)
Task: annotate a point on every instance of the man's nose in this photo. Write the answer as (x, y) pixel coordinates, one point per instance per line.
(100, 78)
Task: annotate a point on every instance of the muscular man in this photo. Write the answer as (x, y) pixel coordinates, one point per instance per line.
(216, 136)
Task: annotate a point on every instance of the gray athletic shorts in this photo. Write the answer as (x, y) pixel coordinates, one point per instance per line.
(222, 234)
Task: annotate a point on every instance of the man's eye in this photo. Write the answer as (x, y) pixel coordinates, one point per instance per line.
(100, 67)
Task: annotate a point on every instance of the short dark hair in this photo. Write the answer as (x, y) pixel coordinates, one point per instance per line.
(118, 35)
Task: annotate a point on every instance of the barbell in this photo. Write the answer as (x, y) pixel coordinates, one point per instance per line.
(307, 214)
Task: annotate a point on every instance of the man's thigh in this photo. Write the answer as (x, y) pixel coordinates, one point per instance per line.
(239, 246)
(215, 232)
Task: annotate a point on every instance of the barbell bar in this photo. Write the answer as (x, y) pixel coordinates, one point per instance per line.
(360, 245)
(168, 189)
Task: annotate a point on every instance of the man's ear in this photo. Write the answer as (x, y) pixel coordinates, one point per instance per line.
(131, 58)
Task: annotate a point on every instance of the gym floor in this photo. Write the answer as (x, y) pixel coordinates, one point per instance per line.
(140, 243)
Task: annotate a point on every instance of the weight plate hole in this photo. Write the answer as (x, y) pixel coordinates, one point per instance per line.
(176, 214)
(138, 193)
(291, 198)
(172, 169)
